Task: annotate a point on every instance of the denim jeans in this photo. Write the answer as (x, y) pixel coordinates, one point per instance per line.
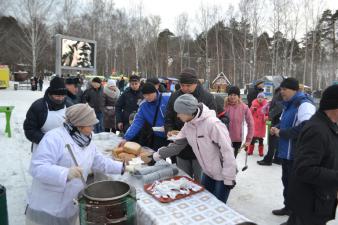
(216, 187)
(98, 128)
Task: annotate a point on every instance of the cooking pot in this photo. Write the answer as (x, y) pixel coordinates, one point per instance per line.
(107, 203)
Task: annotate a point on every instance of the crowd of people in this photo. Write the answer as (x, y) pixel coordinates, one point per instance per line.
(302, 139)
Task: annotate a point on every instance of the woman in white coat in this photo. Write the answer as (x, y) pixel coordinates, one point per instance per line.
(56, 179)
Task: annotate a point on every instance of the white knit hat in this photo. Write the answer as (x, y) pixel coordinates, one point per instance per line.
(111, 83)
(81, 115)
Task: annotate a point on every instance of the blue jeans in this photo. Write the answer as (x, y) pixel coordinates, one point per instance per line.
(216, 187)
(98, 128)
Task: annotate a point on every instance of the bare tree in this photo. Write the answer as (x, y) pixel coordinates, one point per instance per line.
(182, 34)
(33, 14)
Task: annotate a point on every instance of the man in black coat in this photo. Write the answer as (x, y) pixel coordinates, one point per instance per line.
(94, 97)
(128, 103)
(254, 91)
(313, 184)
(189, 83)
(74, 91)
(275, 111)
(46, 113)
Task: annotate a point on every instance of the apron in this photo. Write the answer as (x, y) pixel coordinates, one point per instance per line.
(54, 119)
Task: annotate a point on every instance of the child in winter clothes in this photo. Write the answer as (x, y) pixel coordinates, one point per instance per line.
(259, 112)
(210, 141)
(237, 111)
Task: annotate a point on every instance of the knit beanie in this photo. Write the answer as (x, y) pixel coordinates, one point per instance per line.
(96, 80)
(72, 80)
(261, 95)
(186, 104)
(134, 78)
(81, 115)
(258, 82)
(329, 98)
(153, 80)
(148, 88)
(188, 76)
(290, 83)
(111, 83)
(57, 87)
(234, 90)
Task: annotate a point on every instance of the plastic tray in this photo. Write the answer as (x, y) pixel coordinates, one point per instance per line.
(179, 196)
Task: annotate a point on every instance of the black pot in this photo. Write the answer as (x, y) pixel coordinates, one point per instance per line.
(109, 203)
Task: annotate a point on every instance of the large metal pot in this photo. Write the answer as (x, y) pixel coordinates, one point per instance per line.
(108, 203)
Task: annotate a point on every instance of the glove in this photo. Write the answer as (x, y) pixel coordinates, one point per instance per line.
(74, 172)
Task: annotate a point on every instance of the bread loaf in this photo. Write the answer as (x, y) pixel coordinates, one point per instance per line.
(125, 156)
(132, 148)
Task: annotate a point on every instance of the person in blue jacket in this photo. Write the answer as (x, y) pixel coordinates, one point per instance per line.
(153, 105)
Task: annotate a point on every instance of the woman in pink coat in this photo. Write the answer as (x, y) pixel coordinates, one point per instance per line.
(210, 141)
(237, 111)
(259, 113)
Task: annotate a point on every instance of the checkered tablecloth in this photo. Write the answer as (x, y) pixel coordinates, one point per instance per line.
(201, 208)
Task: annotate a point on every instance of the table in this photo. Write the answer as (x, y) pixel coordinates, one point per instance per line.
(199, 209)
(8, 111)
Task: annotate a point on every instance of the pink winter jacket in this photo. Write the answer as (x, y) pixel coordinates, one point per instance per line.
(259, 114)
(237, 113)
(211, 143)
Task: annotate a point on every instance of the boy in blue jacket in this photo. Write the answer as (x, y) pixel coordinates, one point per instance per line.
(150, 114)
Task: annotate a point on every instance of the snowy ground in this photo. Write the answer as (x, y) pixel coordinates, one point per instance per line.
(258, 190)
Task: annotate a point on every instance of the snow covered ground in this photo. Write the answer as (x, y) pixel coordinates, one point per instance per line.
(258, 190)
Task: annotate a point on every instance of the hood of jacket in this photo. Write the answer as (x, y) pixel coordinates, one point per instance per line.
(203, 113)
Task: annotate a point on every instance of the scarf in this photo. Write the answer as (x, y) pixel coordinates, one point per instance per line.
(79, 138)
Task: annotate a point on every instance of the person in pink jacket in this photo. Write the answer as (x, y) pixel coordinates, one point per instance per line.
(210, 141)
(259, 112)
(237, 111)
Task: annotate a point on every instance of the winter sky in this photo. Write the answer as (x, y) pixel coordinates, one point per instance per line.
(169, 10)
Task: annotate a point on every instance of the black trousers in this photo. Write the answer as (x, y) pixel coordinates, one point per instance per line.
(260, 140)
(296, 220)
(272, 148)
(286, 172)
(236, 146)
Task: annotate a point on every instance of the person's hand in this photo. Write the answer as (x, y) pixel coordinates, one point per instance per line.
(74, 172)
(121, 144)
(272, 130)
(156, 156)
(247, 144)
(277, 132)
(120, 126)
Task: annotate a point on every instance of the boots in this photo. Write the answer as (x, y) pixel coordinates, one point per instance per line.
(250, 149)
(261, 150)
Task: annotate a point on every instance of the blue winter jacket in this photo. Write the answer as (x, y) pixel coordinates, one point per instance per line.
(289, 128)
(146, 113)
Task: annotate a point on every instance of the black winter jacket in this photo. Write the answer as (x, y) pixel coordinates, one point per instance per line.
(313, 184)
(94, 98)
(36, 117)
(127, 103)
(252, 94)
(171, 122)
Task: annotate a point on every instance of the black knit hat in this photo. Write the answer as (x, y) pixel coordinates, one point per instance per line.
(329, 98)
(153, 80)
(134, 78)
(97, 80)
(290, 83)
(57, 87)
(72, 80)
(234, 90)
(188, 76)
(148, 88)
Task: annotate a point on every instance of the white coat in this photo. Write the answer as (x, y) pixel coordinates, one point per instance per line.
(50, 191)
